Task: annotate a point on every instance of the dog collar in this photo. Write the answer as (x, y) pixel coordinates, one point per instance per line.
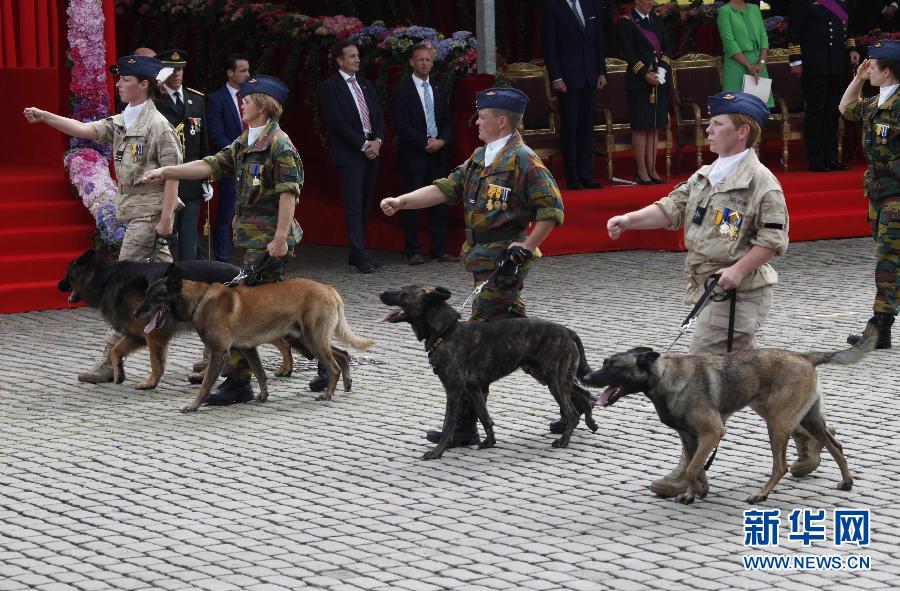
(430, 349)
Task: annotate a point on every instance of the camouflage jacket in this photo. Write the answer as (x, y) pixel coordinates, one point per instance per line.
(723, 222)
(503, 198)
(881, 144)
(149, 143)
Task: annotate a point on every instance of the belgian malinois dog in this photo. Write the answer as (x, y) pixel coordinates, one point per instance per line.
(243, 317)
(469, 356)
(696, 394)
(117, 288)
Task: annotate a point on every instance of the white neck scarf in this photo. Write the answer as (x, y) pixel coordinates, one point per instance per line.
(493, 148)
(131, 113)
(253, 133)
(723, 166)
(885, 92)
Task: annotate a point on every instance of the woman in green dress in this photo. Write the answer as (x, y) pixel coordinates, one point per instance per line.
(745, 44)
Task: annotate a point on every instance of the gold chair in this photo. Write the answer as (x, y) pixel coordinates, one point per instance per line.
(695, 77)
(788, 93)
(613, 119)
(539, 125)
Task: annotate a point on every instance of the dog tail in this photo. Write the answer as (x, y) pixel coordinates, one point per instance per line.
(851, 355)
(583, 367)
(346, 336)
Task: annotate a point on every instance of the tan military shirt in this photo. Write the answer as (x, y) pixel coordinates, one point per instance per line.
(722, 223)
(149, 143)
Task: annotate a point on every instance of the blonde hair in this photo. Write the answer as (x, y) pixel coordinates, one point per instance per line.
(739, 119)
(515, 119)
(268, 104)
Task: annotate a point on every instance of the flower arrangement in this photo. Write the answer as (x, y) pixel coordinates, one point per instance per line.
(874, 35)
(776, 28)
(87, 162)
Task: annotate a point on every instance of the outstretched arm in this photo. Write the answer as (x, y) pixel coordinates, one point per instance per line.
(68, 126)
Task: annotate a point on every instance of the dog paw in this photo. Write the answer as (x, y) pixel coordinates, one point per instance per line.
(561, 442)
(348, 385)
(146, 386)
(323, 397)
(845, 484)
(753, 500)
(490, 442)
(118, 377)
(188, 408)
(261, 397)
(433, 454)
(685, 498)
(591, 424)
(284, 373)
(195, 378)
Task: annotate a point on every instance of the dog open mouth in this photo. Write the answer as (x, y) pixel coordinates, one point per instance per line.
(156, 321)
(74, 298)
(393, 316)
(610, 395)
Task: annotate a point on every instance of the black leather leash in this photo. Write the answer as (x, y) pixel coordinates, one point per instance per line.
(252, 275)
(515, 256)
(170, 240)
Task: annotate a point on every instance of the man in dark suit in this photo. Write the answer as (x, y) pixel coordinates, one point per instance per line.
(574, 46)
(821, 49)
(423, 127)
(185, 109)
(355, 135)
(223, 112)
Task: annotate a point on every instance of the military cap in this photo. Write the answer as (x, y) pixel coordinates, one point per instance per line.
(269, 85)
(887, 49)
(136, 65)
(508, 99)
(727, 103)
(174, 58)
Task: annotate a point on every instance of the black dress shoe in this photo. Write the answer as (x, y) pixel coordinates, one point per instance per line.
(591, 185)
(657, 181)
(574, 186)
(818, 168)
(641, 181)
(319, 382)
(461, 439)
(837, 166)
(376, 263)
(231, 391)
(365, 267)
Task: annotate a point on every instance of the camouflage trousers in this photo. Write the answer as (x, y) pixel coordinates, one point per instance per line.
(885, 223)
(502, 296)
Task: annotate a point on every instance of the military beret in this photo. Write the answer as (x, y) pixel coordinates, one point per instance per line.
(727, 103)
(174, 58)
(887, 49)
(136, 65)
(508, 99)
(269, 85)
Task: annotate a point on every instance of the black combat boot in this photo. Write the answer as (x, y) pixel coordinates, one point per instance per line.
(466, 432)
(231, 391)
(319, 382)
(883, 321)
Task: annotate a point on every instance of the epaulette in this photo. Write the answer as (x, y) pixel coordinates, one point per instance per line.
(851, 43)
(195, 91)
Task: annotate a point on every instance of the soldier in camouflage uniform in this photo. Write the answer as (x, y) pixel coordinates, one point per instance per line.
(880, 119)
(269, 176)
(141, 140)
(504, 187)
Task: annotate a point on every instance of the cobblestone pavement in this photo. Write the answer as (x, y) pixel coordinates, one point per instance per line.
(106, 487)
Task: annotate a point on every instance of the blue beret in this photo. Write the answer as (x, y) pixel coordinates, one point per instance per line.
(173, 58)
(887, 49)
(508, 99)
(727, 103)
(269, 85)
(137, 65)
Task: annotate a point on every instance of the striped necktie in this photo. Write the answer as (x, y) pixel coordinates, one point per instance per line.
(361, 104)
(430, 124)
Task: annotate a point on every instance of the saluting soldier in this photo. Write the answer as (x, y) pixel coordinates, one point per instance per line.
(644, 46)
(821, 49)
(269, 176)
(880, 119)
(141, 140)
(185, 108)
(504, 188)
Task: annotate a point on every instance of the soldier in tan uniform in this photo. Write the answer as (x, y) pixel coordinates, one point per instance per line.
(141, 140)
(735, 221)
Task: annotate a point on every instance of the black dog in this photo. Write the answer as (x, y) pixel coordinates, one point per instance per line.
(469, 356)
(117, 288)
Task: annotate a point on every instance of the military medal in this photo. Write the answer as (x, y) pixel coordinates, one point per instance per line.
(729, 222)
(504, 196)
(256, 170)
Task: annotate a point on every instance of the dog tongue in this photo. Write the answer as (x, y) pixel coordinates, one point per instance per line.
(153, 321)
(607, 394)
(390, 315)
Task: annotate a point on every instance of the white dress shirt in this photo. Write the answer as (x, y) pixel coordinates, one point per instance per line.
(493, 148)
(253, 133)
(131, 114)
(171, 93)
(723, 166)
(417, 82)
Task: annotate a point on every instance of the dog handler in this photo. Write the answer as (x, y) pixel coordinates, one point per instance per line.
(880, 118)
(141, 139)
(503, 187)
(269, 177)
(735, 221)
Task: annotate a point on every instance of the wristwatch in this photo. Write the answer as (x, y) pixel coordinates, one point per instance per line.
(762, 61)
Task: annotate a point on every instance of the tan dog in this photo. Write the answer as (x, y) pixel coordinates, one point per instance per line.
(695, 395)
(299, 310)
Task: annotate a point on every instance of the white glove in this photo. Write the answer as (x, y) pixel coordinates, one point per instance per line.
(164, 74)
(661, 72)
(207, 191)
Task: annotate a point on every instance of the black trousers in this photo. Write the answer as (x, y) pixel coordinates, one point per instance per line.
(576, 119)
(822, 94)
(186, 221)
(434, 168)
(221, 233)
(357, 190)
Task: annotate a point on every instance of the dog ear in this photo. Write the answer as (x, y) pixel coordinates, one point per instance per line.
(86, 257)
(438, 294)
(646, 358)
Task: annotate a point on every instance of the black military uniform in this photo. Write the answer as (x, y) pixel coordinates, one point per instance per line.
(819, 37)
(647, 109)
(186, 111)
